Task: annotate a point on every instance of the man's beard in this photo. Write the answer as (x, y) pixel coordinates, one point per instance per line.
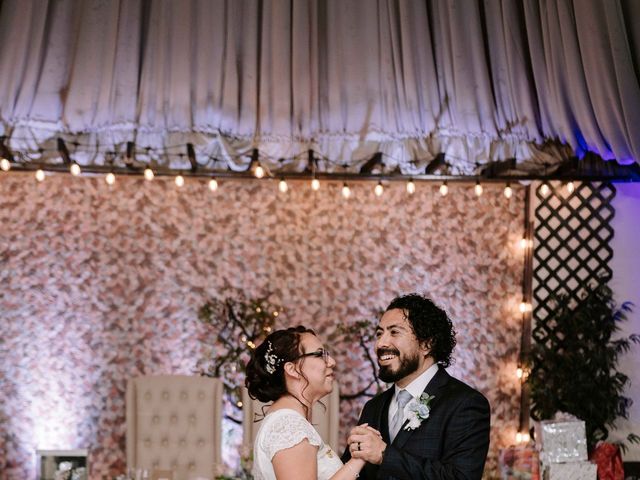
(408, 365)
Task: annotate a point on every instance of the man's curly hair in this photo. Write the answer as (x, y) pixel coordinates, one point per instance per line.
(430, 324)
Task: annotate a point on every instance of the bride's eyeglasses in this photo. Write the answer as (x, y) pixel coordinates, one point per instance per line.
(322, 353)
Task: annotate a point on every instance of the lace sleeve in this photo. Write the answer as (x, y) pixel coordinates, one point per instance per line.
(287, 431)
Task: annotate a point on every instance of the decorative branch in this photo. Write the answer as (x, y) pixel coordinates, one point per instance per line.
(363, 333)
(237, 324)
(361, 393)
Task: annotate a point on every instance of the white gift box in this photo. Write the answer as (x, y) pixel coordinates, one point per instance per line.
(562, 441)
(571, 471)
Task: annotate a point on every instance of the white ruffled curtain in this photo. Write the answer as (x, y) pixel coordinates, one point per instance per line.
(477, 81)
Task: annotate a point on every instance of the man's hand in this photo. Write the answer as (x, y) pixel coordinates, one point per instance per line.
(366, 443)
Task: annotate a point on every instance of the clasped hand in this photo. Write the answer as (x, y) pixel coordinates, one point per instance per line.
(366, 443)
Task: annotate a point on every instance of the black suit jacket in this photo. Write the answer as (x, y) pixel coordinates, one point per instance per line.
(451, 444)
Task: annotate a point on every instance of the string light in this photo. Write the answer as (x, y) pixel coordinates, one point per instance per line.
(170, 151)
(524, 307)
(258, 170)
(570, 187)
(518, 437)
(525, 243)
(411, 187)
(40, 175)
(522, 371)
(282, 186)
(239, 404)
(544, 189)
(75, 169)
(110, 178)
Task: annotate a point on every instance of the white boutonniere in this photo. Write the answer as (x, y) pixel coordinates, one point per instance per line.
(418, 411)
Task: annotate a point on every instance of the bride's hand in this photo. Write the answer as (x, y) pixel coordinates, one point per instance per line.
(371, 429)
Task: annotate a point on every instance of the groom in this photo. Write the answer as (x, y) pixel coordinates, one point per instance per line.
(431, 425)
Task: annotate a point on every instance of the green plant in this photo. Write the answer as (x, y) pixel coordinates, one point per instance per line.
(575, 370)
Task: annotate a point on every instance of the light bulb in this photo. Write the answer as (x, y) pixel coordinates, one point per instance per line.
(75, 169)
(39, 175)
(5, 165)
(524, 307)
(525, 437)
(282, 186)
(411, 187)
(478, 189)
(379, 190)
(508, 191)
(213, 184)
(346, 192)
(570, 187)
(524, 243)
(315, 184)
(544, 189)
(518, 437)
(148, 174)
(444, 189)
(179, 181)
(239, 404)
(259, 171)
(519, 372)
(110, 178)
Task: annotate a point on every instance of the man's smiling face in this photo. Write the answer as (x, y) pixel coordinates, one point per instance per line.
(400, 356)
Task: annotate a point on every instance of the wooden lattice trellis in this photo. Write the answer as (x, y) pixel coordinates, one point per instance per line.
(571, 246)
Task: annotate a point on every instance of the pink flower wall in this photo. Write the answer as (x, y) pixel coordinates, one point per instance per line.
(99, 284)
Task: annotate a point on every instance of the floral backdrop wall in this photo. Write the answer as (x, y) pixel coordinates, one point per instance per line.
(99, 284)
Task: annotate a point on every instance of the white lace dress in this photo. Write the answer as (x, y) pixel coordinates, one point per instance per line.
(283, 429)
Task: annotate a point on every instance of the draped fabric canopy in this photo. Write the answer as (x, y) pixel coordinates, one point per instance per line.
(476, 80)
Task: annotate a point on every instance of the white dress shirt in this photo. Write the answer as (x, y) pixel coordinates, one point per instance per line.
(415, 388)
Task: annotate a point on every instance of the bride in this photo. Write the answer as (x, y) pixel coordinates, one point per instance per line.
(293, 370)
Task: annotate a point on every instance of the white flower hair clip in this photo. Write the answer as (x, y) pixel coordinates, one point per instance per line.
(272, 359)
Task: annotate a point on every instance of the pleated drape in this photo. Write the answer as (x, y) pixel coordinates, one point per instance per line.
(476, 80)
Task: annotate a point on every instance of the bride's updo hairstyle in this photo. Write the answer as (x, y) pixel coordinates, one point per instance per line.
(265, 370)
